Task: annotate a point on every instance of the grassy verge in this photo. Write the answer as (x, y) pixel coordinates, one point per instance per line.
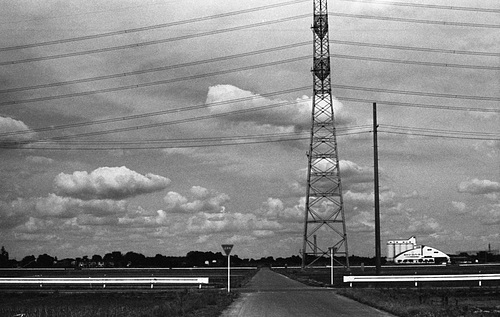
(173, 303)
(411, 302)
(432, 302)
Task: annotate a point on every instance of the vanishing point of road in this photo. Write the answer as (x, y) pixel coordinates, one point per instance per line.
(270, 294)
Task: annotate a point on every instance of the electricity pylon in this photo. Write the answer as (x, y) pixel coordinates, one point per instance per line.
(324, 223)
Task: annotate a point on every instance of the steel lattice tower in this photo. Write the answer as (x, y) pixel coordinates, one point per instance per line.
(324, 223)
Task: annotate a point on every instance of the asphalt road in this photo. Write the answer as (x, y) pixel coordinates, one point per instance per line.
(270, 294)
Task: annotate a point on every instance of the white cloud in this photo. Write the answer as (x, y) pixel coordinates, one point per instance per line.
(488, 214)
(459, 206)
(207, 223)
(68, 207)
(479, 187)
(203, 201)
(14, 213)
(108, 183)
(294, 114)
(8, 126)
(39, 160)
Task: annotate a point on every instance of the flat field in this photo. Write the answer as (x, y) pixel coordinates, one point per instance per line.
(120, 301)
(207, 303)
(217, 276)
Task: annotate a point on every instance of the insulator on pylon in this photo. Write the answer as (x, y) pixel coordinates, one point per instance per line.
(320, 25)
(322, 67)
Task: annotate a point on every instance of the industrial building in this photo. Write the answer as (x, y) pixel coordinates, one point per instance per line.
(408, 252)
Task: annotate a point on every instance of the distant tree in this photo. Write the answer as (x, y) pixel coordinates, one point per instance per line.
(134, 259)
(28, 261)
(115, 257)
(96, 258)
(4, 257)
(45, 260)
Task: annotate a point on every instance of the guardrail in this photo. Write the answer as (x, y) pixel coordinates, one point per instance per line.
(103, 280)
(421, 278)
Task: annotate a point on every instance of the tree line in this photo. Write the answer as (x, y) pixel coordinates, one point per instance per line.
(117, 259)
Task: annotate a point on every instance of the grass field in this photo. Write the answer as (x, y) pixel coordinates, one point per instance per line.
(84, 301)
(430, 302)
(206, 303)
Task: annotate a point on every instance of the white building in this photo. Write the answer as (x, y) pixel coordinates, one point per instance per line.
(395, 247)
(408, 252)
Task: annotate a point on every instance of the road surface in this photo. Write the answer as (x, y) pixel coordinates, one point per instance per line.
(270, 294)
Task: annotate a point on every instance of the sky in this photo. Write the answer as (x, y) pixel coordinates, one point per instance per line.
(162, 127)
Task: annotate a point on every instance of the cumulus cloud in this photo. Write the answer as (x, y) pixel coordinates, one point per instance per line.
(459, 206)
(68, 207)
(108, 183)
(8, 126)
(488, 214)
(14, 213)
(351, 174)
(207, 223)
(479, 187)
(202, 200)
(275, 209)
(294, 114)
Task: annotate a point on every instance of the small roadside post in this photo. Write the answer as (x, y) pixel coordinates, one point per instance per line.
(227, 249)
(332, 253)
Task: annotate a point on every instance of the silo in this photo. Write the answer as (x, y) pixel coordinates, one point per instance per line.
(390, 251)
(397, 249)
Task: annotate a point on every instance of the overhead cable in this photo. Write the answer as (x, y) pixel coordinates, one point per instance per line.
(429, 6)
(417, 105)
(153, 83)
(413, 48)
(156, 69)
(417, 93)
(155, 42)
(407, 20)
(430, 135)
(151, 27)
(149, 146)
(180, 121)
(154, 114)
(407, 62)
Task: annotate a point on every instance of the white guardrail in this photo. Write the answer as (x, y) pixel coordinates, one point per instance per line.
(103, 280)
(420, 278)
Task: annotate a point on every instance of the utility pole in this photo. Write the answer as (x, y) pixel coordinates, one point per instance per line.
(376, 191)
(324, 222)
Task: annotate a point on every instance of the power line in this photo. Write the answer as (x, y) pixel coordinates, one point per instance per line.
(151, 27)
(168, 81)
(413, 48)
(417, 93)
(180, 121)
(417, 105)
(154, 42)
(429, 6)
(407, 62)
(156, 69)
(406, 20)
(158, 145)
(442, 131)
(149, 84)
(478, 138)
(224, 58)
(153, 114)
